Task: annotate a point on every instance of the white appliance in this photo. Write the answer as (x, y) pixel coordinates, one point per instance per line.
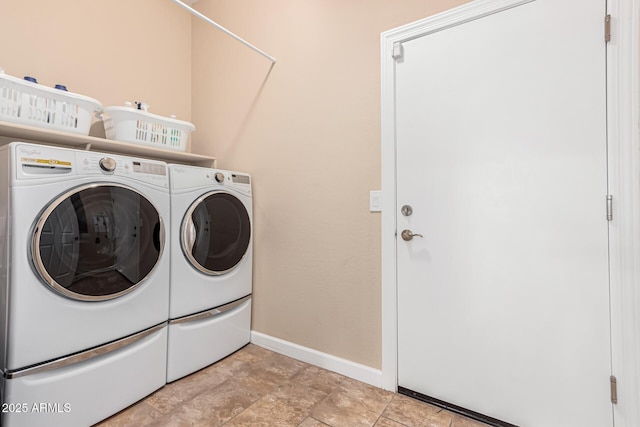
(211, 267)
(85, 283)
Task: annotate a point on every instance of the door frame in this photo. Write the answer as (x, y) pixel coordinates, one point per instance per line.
(623, 85)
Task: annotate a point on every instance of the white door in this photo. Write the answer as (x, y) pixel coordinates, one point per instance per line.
(503, 303)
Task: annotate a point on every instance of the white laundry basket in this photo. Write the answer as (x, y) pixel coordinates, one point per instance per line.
(129, 124)
(29, 103)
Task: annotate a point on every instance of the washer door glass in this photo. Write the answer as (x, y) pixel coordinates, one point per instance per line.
(215, 233)
(97, 242)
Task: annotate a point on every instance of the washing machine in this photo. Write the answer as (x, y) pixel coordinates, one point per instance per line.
(85, 283)
(211, 267)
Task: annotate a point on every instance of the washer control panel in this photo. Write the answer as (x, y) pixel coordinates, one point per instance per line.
(149, 171)
(44, 162)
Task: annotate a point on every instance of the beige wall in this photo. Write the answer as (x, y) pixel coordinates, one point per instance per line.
(308, 130)
(113, 51)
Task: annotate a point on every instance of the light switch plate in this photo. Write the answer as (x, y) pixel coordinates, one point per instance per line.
(375, 201)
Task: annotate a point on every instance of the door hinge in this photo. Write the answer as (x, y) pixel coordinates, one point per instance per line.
(614, 389)
(397, 51)
(607, 28)
(609, 207)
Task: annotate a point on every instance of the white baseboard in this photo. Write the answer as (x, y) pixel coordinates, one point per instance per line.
(341, 366)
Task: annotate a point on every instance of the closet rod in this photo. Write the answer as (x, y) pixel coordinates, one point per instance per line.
(224, 30)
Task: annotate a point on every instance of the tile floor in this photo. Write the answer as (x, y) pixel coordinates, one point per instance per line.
(257, 387)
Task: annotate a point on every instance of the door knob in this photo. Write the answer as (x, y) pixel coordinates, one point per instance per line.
(408, 235)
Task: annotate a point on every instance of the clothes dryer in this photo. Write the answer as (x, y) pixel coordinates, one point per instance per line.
(85, 283)
(211, 266)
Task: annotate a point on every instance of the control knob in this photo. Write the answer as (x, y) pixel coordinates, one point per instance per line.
(219, 176)
(107, 164)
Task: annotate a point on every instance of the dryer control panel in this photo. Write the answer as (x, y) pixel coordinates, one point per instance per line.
(191, 177)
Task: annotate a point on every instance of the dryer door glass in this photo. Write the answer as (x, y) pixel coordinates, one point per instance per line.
(97, 242)
(216, 232)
